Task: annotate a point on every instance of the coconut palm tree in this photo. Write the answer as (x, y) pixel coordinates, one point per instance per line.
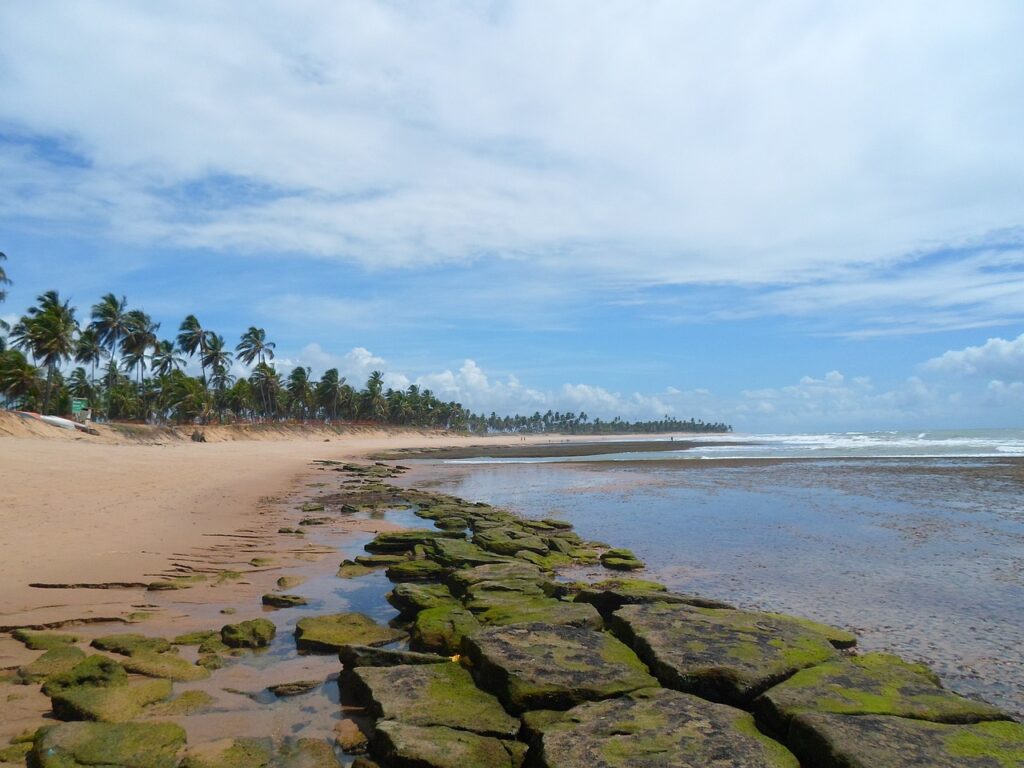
(375, 403)
(110, 323)
(192, 339)
(90, 350)
(299, 391)
(214, 355)
(4, 280)
(50, 330)
(254, 346)
(19, 379)
(165, 358)
(139, 339)
(266, 381)
(329, 393)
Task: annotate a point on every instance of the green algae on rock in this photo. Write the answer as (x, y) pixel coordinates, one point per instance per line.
(255, 633)
(237, 753)
(327, 634)
(412, 746)
(274, 600)
(505, 608)
(880, 741)
(610, 595)
(872, 684)
(124, 745)
(460, 580)
(295, 688)
(352, 656)
(378, 561)
(42, 641)
(459, 553)
(723, 655)
(60, 658)
(196, 638)
(108, 704)
(441, 629)
(404, 541)
(541, 666)
(129, 644)
(509, 541)
(411, 598)
(432, 694)
(416, 570)
(94, 670)
(186, 703)
(658, 728)
(165, 665)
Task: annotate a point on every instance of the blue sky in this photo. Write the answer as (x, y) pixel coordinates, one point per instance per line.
(790, 217)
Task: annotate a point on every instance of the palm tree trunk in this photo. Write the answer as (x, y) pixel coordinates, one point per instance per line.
(49, 387)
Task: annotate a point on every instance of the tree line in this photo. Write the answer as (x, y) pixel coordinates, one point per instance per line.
(117, 362)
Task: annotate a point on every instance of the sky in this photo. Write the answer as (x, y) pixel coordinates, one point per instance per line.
(793, 216)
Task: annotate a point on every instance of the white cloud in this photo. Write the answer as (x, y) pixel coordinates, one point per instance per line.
(788, 143)
(1000, 393)
(996, 357)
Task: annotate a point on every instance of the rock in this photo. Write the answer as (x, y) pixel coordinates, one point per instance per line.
(255, 633)
(452, 523)
(878, 741)
(727, 656)
(538, 666)
(186, 703)
(411, 746)
(283, 601)
(621, 560)
(548, 562)
(42, 641)
(198, 436)
(364, 762)
(350, 737)
(432, 694)
(353, 570)
(290, 582)
(416, 570)
(108, 704)
(353, 656)
(59, 659)
(410, 599)
(306, 753)
(210, 661)
(872, 684)
(231, 753)
(130, 644)
(441, 629)
(213, 645)
(315, 521)
(165, 665)
(127, 745)
(504, 608)
(296, 688)
(327, 634)
(610, 595)
(404, 541)
(312, 506)
(460, 580)
(95, 670)
(839, 638)
(459, 553)
(376, 561)
(658, 728)
(508, 541)
(196, 638)
(537, 720)
(15, 753)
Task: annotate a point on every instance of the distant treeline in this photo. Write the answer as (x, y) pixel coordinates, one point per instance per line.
(117, 362)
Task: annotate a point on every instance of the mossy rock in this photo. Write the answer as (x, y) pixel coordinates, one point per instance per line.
(196, 638)
(59, 659)
(410, 598)
(404, 541)
(727, 656)
(274, 600)
(658, 727)
(453, 523)
(540, 666)
(95, 670)
(294, 688)
(459, 553)
(172, 583)
(353, 656)
(15, 753)
(165, 665)
(42, 641)
(608, 596)
(379, 561)
(416, 570)
(505, 608)
(312, 506)
(872, 684)
(227, 753)
(211, 661)
(212, 645)
(290, 582)
(432, 694)
(108, 745)
(108, 704)
(622, 563)
(327, 634)
(255, 633)
(879, 741)
(509, 541)
(353, 570)
(441, 629)
(408, 746)
(839, 638)
(129, 644)
(186, 703)
(548, 562)
(305, 753)
(460, 580)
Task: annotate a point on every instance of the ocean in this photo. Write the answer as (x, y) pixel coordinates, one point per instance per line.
(915, 540)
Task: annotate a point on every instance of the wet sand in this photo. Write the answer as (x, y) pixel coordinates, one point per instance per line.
(544, 447)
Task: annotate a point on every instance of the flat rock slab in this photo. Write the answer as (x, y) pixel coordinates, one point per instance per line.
(353, 656)
(166, 665)
(442, 629)
(108, 704)
(460, 580)
(433, 694)
(609, 596)
(126, 745)
(413, 598)
(327, 634)
(129, 644)
(459, 553)
(262, 753)
(872, 684)
(59, 659)
(404, 541)
(726, 656)
(877, 741)
(541, 666)
(416, 570)
(255, 633)
(398, 745)
(506, 608)
(658, 728)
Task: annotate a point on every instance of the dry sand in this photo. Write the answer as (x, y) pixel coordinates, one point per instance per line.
(126, 506)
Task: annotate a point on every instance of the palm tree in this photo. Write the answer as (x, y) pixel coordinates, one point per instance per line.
(329, 392)
(254, 346)
(214, 354)
(89, 349)
(376, 404)
(138, 340)
(299, 391)
(109, 321)
(268, 383)
(49, 331)
(19, 379)
(166, 359)
(192, 339)
(4, 280)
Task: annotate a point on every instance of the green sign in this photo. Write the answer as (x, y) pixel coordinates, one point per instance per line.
(78, 404)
